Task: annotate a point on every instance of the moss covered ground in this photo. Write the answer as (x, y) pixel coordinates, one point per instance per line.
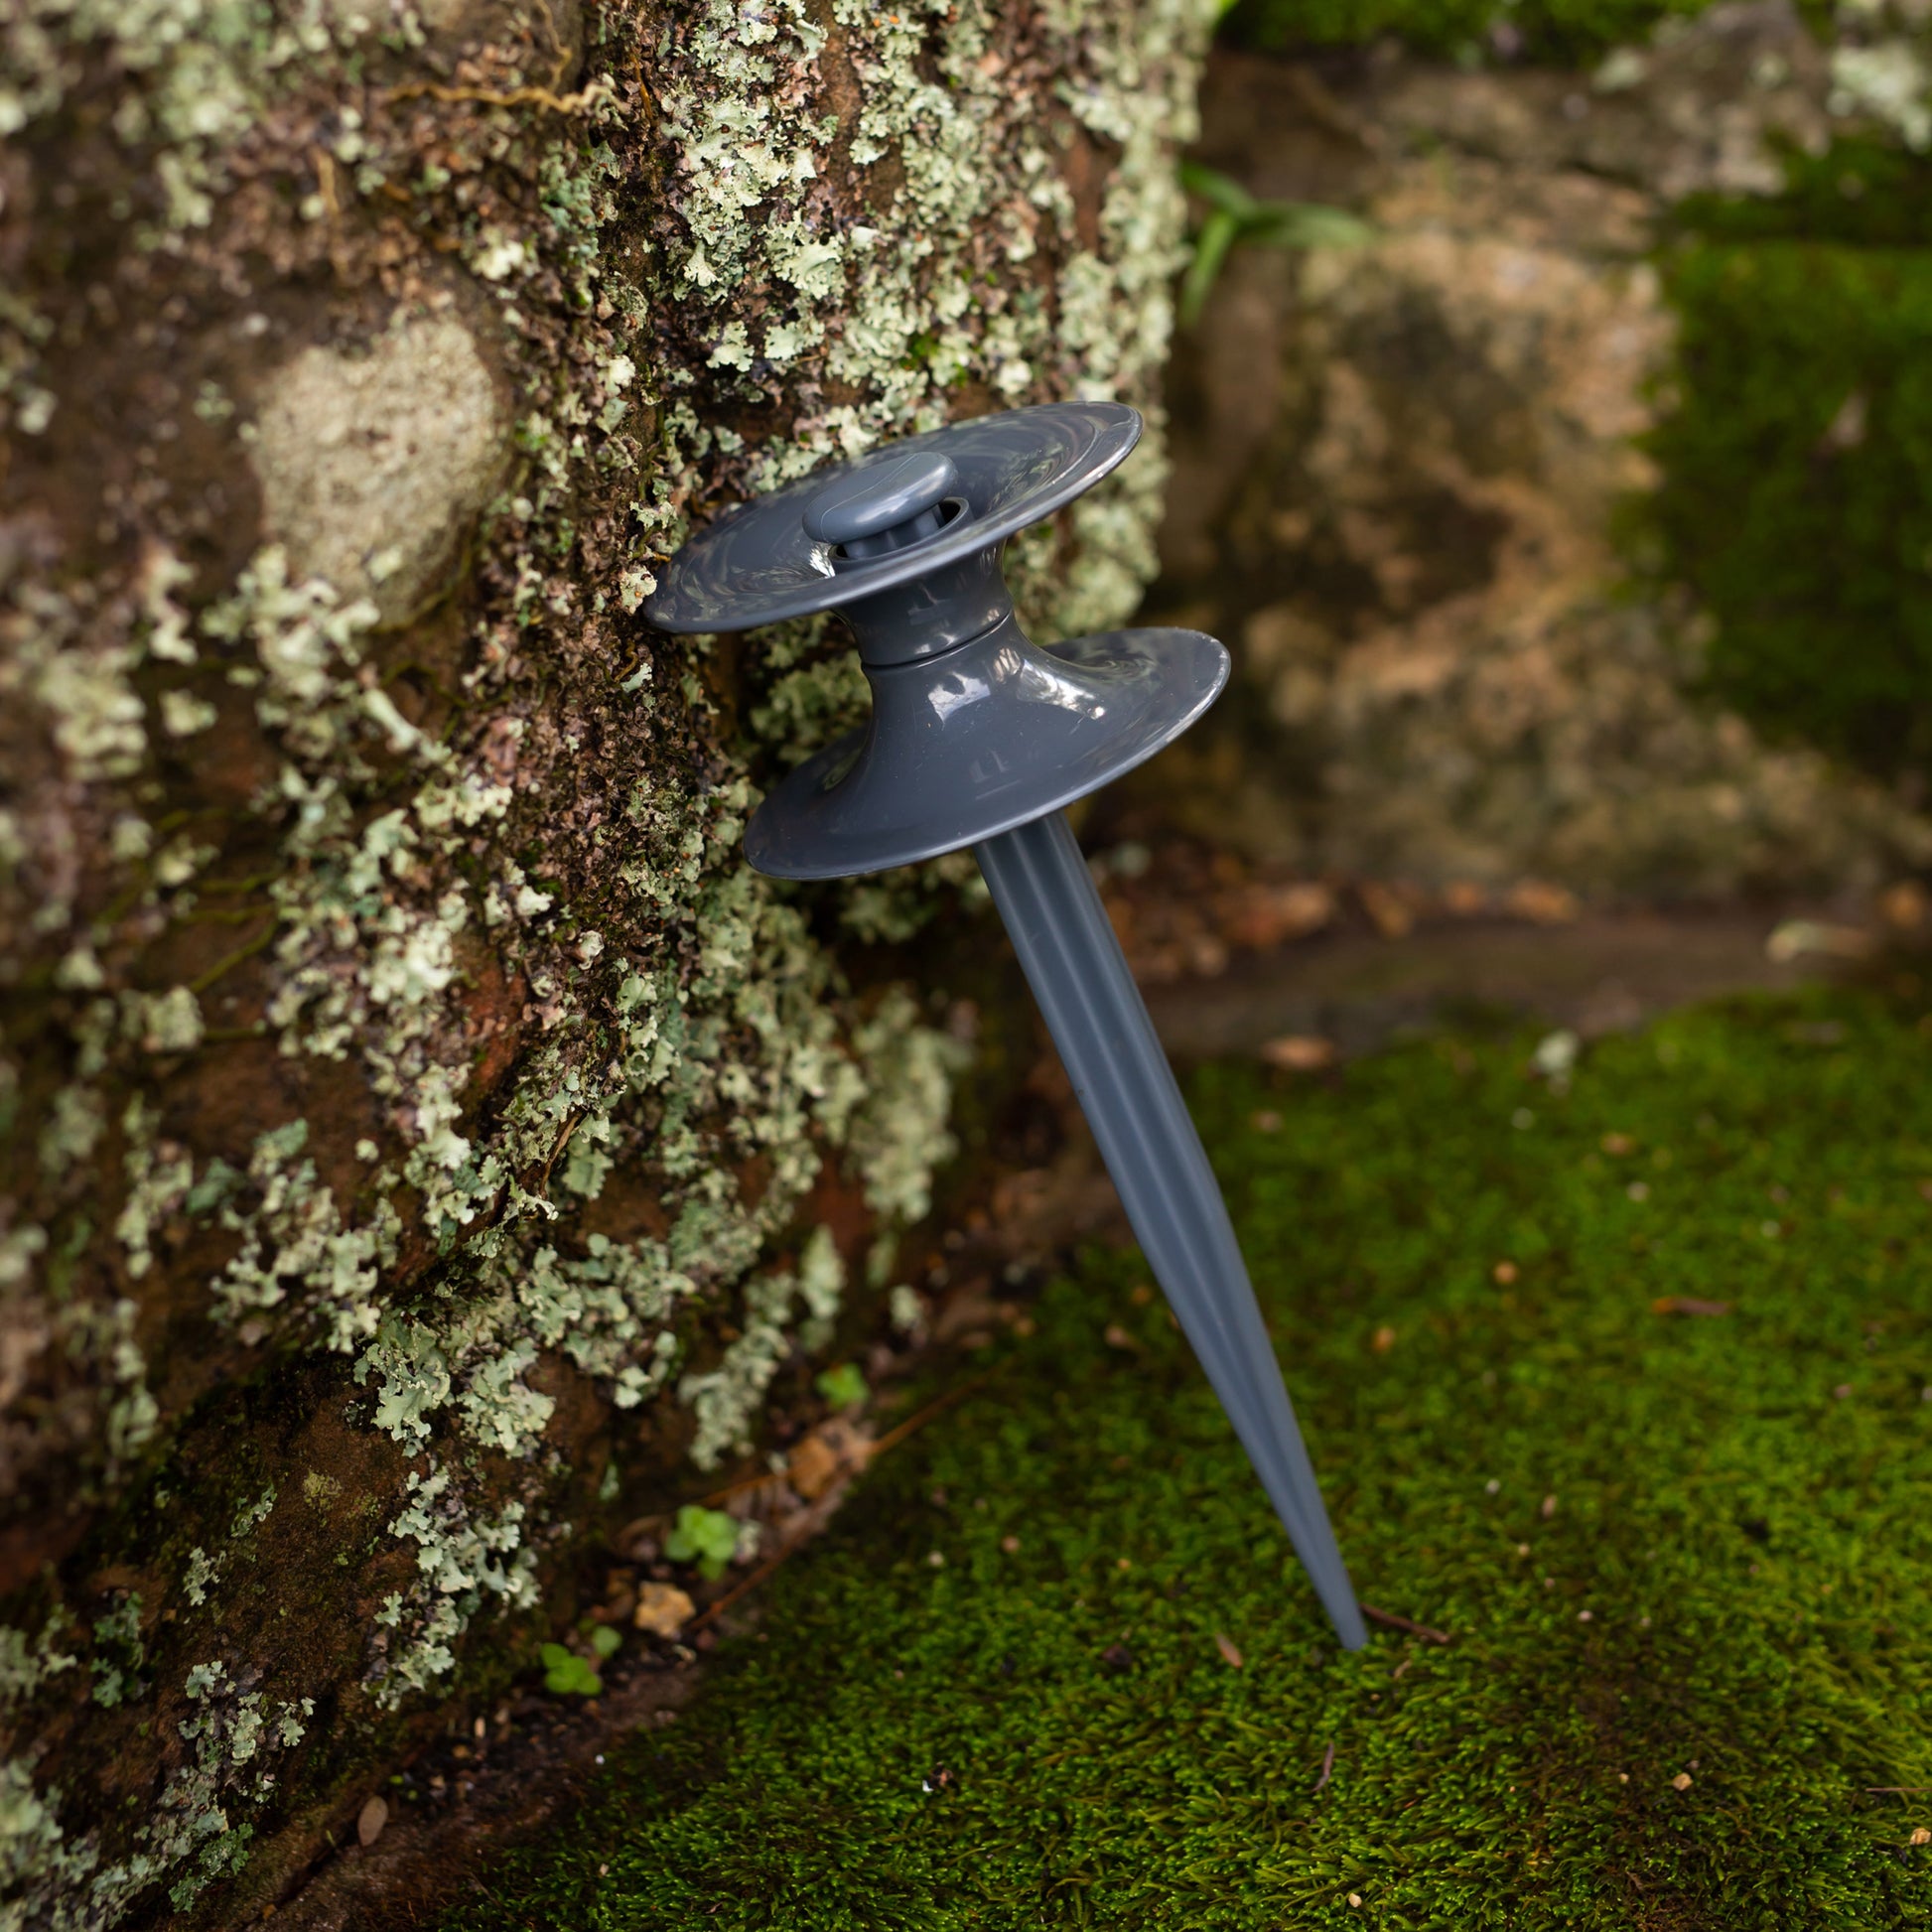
(1683, 1558)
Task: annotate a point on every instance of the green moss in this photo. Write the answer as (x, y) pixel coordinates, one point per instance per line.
(1562, 32)
(1797, 463)
(1665, 1545)
(1864, 192)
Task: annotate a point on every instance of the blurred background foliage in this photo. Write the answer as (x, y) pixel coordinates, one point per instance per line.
(1565, 32)
(1797, 461)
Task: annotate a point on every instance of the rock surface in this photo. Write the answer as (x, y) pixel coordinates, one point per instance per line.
(426, 1149)
(1400, 470)
(374, 462)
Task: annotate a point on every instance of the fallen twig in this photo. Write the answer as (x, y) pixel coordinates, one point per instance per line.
(1328, 1765)
(1403, 1623)
(202, 982)
(583, 102)
(918, 1420)
(731, 1597)
(1879, 1790)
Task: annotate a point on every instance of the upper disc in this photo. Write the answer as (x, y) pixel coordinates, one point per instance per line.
(759, 562)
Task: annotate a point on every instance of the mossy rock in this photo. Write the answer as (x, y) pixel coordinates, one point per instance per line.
(1562, 32)
(1797, 461)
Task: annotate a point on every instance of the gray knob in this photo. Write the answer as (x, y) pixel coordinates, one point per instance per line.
(974, 730)
(883, 506)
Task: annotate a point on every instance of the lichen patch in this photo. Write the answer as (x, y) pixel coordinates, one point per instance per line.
(374, 463)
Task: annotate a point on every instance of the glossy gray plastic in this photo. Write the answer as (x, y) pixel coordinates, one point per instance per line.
(759, 564)
(862, 506)
(1107, 1043)
(992, 735)
(978, 737)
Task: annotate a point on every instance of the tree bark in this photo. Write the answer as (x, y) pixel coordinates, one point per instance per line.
(424, 1137)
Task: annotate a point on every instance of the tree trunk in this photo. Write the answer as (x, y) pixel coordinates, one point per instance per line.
(425, 1137)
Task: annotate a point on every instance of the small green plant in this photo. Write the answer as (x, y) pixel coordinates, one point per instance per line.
(606, 1640)
(1235, 215)
(706, 1537)
(842, 1387)
(565, 1674)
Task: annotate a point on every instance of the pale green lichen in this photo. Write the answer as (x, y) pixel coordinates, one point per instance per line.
(463, 1561)
(75, 1124)
(207, 70)
(294, 1240)
(203, 1572)
(80, 675)
(1890, 82)
(188, 1837)
(899, 1137)
(26, 1664)
(684, 1021)
(198, 1577)
(163, 1022)
(726, 1399)
(119, 1654)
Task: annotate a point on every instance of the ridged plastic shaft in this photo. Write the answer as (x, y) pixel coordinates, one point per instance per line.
(1095, 1012)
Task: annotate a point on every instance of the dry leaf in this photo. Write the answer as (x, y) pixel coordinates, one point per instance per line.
(1230, 1655)
(835, 1449)
(1617, 1144)
(1797, 937)
(371, 1819)
(1504, 1272)
(1682, 1781)
(1263, 917)
(1905, 907)
(1687, 1305)
(662, 1609)
(1206, 957)
(1548, 1507)
(1920, 1836)
(812, 1468)
(1300, 1053)
(1383, 1340)
(1389, 908)
(1116, 1336)
(1541, 903)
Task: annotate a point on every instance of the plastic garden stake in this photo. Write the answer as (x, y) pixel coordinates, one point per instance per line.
(978, 737)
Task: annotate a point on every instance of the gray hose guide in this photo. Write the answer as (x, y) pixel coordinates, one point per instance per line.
(978, 737)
